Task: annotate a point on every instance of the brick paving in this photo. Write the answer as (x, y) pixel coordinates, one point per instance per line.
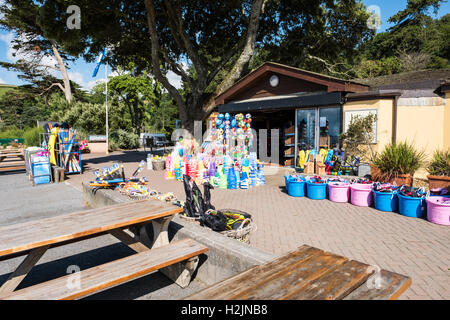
(414, 247)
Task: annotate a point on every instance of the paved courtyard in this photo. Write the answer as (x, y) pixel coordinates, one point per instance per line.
(414, 247)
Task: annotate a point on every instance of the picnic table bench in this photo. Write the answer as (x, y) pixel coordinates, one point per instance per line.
(177, 260)
(15, 159)
(308, 274)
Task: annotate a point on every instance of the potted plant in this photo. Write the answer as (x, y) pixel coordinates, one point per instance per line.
(439, 170)
(398, 162)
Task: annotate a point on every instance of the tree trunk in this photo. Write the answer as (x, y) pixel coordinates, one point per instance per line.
(62, 67)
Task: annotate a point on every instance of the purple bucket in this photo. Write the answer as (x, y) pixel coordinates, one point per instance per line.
(361, 194)
(338, 191)
(438, 210)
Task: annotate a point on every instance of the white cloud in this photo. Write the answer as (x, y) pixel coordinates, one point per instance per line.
(174, 79)
(76, 77)
(2, 81)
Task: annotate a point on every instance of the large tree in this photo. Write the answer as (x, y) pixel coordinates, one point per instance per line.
(38, 53)
(209, 44)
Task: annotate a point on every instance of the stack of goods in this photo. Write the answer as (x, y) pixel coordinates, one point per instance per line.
(38, 165)
(361, 181)
(109, 177)
(224, 160)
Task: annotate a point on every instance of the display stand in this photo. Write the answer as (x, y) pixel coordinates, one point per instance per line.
(289, 145)
(69, 157)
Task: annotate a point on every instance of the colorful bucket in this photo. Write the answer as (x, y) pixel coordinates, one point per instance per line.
(338, 191)
(411, 207)
(316, 191)
(361, 194)
(438, 210)
(386, 201)
(296, 188)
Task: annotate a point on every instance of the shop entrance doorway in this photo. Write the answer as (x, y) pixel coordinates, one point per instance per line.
(317, 128)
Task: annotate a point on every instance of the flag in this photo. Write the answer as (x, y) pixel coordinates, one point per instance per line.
(99, 62)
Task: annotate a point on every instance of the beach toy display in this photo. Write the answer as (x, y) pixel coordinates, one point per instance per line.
(361, 194)
(411, 202)
(224, 159)
(316, 188)
(338, 190)
(296, 186)
(385, 197)
(438, 210)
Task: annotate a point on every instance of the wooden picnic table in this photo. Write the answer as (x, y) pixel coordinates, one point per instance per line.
(34, 238)
(15, 159)
(308, 273)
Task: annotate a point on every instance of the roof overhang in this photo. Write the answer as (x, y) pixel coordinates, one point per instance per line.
(277, 103)
(332, 84)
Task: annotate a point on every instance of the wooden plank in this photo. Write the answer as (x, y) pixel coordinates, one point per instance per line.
(11, 168)
(336, 284)
(110, 274)
(21, 272)
(296, 279)
(33, 234)
(393, 285)
(256, 276)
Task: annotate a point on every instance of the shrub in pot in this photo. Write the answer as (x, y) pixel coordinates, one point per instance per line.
(439, 170)
(398, 162)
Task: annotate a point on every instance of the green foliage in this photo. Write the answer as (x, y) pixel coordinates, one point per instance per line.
(400, 158)
(440, 164)
(11, 132)
(360, 134)
(416, 42)
(32, 136)
(124, 140)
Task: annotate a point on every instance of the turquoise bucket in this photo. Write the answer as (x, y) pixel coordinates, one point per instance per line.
(316, 191)
(411, 207)
(386, 201)
(296, 188)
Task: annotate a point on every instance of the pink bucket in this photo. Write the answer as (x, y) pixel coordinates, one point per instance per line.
(361, 194)
(438, 210)
(338, 191)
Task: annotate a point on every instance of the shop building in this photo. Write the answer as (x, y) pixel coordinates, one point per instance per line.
(311, 110)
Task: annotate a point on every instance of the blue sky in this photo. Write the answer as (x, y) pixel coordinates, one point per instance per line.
(81, 72)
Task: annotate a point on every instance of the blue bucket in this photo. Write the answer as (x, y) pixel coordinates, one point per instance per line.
(296, 188)
(411, 207)
(386, 201)
(316, 191)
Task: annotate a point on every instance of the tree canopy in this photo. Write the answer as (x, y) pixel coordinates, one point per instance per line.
(209, 44)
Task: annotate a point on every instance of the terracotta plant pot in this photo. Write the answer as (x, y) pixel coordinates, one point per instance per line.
(375, 172)
(402, 179)
(438, 182)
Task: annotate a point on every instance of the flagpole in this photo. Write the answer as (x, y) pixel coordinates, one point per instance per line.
(106, 100)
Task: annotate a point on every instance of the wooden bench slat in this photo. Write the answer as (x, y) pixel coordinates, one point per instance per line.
(111, 274)
(336, 284)
(394, 285)
(11, 168)
(33, 234)
(257, 276)
(297, 278)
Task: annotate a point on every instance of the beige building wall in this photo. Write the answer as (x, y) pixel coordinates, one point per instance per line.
(422, 124)
(447, 121)
(384, 109)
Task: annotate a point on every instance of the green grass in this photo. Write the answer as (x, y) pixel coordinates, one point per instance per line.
(5, 88)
